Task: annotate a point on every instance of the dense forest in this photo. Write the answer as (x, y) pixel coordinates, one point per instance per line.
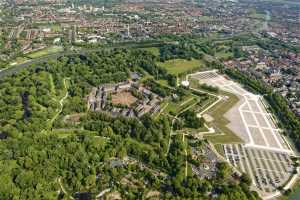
(46, 157)
(44, 85)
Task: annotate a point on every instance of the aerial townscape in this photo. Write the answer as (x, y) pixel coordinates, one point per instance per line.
(149, 99)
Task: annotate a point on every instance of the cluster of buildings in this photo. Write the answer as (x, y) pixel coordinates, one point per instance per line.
(38, 24)
(278, 68)
(127, 99)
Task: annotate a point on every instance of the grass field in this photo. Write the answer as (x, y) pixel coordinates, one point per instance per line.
(225, 135)
(62, 133)
(53, 27)
(163, 82)
(258, 16)
(224, 55)
(153, 50)
(206, 18)
(46, 51)
(19, 60)
(220, 149)
(177, 66)
(56, 28)
(175, 108)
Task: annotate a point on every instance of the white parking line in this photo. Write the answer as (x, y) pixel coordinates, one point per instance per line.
(260, 130)
(270, 148)
(262, 127)
(233, 155)
(262, 160)
(255, 112)
(240, 157)
(274, 135)
(247, 129)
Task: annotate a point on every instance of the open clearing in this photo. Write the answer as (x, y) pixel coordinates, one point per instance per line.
(153, 50)
(46, 51)
(177, 66)
(19, 60)
(220, 122)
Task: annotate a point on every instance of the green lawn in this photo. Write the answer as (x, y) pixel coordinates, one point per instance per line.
(258, 16)
(19, 60)
(206, 18)
(224, 135)
(224, 55)
(220, 149)
(56, 27)
(66, 133)
(46, 51)
(177, 107)
(53, 27)
(163, 82)
(153, 50)
(177, 66)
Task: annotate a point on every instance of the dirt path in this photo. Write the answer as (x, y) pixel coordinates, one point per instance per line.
(63, 189)
(103, 192)
(161, 110)
(170, 135)
(219, 98)
(61, 102)
(187, 108)
(186, 162)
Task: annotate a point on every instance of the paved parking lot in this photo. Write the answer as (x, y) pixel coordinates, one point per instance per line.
(208, 167)
(249, 118)
(267, 169)
(265, 155)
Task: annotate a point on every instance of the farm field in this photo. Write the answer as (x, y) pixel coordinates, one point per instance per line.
(178, 66)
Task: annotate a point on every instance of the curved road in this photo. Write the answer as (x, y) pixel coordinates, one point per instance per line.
(16, 68)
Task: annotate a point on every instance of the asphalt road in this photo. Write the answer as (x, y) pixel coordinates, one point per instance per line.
(16, 68)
